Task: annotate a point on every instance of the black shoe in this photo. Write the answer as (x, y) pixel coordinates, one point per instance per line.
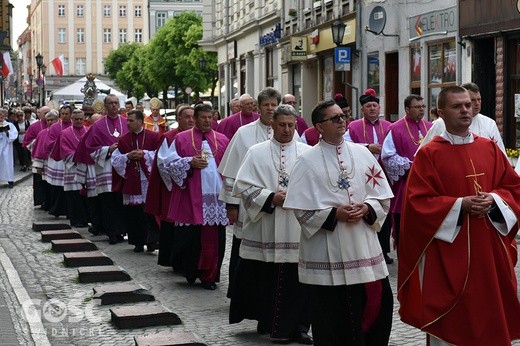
(112, 240)
(10, 184)
(120, 238)
(261, 330)
(209, 285)
(388, 259)
(152, 247)
(79, 225)
(303, 338)
(191, 279)
(92, 230)
(138, 248)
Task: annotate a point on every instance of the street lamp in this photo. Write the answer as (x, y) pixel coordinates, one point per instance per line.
(338, 31)
(202, 63)
(39, 63)
(44, 69)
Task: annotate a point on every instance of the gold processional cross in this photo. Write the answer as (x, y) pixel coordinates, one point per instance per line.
(476, 185)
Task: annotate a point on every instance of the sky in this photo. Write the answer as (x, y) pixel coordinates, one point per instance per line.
(19, 19)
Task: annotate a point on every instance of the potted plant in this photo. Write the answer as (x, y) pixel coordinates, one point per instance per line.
(512, 155)
(292, 12)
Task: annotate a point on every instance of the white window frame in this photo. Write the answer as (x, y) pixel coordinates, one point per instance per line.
(62, 35)
(107, 35)
(122, 11)
(138, 12)
(61, 10)
(80, 35)
(79, 11)
(138, 35)
(160, 19)
(81, 66)
(122, 36)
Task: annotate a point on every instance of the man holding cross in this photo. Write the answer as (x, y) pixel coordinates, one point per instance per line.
(457, 249)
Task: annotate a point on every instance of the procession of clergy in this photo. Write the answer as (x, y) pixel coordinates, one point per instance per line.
(311, 224)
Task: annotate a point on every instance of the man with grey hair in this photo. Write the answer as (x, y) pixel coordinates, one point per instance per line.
(246, 115)
(234, 106)
(268, 268)
(8, 135)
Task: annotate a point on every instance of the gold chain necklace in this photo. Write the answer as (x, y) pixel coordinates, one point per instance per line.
(203, 153)
(410, 132)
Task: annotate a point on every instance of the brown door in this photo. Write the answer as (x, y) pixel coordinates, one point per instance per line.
(392, 86)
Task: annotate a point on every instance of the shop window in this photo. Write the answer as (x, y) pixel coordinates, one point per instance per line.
(272, 67)
(415, 69)
(373, 72)
(442, 68)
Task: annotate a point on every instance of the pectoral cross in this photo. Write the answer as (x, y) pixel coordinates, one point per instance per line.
(476, 185)
(205, 155)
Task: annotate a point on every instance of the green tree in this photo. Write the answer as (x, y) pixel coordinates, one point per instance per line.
(116, 58)
(175, 55)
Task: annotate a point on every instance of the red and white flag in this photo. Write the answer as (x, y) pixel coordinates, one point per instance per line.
(58, 65)
(7, 67)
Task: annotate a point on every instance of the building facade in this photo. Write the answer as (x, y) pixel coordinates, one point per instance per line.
(162, 10)
(412, 48)
(84, 32)
(490, 34)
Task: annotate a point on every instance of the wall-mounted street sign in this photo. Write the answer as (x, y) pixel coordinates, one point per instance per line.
(342, 59)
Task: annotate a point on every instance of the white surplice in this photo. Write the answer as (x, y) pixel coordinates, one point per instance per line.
(349, 254)
(481, 125)
(6, 151)
(272, 236)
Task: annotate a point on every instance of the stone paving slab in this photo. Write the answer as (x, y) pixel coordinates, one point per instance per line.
(86, 259)
(72, 245)
(169, 339)
(102, 274)
(39, 226)
(143, 316)
(48, 236)
(122, 293)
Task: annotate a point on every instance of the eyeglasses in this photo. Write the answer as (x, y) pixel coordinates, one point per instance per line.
(418, 107)
(335, 119)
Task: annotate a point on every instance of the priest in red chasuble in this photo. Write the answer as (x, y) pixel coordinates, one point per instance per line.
(457, 252)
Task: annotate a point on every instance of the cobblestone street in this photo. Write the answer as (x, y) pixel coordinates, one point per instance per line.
(71, 317)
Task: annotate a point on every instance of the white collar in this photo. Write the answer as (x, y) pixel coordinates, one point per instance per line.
(457, 140)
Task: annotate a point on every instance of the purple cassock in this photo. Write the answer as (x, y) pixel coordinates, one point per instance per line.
(40, 142)
(362, 131)
(158, 196)
(406, 136)
(55, 168)
(32, 131)
(229, 126)
(104, 132)
(64, 149)
(131, 183)
(67, 142)
(186, 204)
(301, 125)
